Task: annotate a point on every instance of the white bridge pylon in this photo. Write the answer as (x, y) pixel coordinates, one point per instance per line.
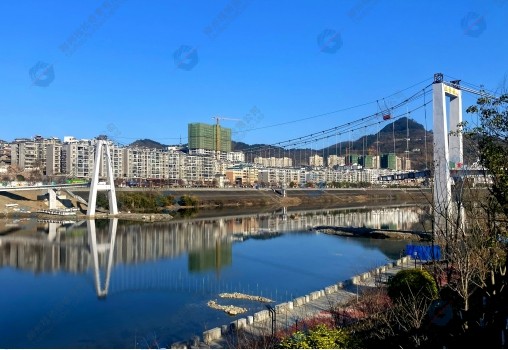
(101, 147)
(448, 150)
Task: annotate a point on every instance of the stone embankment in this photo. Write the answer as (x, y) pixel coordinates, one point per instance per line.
(285, 314)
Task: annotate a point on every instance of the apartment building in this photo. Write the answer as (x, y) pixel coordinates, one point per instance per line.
(316, 161)
(145, 163)
(200, 170)
(335, 160)
(31, 154)
(77, 157)
(242, 174)
(274, 162)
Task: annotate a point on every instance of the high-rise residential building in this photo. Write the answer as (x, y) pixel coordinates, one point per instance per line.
(200, 169)
(274, 162)
(146, 163)
(204, 136)
(352, 159)
(31, 154)
(389, 161)
(368, 161)
(77, 158)
(316, 160)
(54, 159)
(334, 160)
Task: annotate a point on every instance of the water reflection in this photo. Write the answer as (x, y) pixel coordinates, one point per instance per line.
(207, 243)
(96, 249)
(159, 276)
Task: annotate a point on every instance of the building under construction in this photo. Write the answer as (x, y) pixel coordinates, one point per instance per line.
(204, 136)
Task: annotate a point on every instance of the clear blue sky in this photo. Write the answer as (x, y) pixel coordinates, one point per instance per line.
(120, 76)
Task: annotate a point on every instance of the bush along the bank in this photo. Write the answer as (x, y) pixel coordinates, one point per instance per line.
(412, 282)
(188, 201)
(318, 337)
(148, 202)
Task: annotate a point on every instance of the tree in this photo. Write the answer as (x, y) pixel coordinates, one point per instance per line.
(492, 138)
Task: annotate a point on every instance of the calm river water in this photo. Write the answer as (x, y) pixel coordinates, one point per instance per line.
(110, 284)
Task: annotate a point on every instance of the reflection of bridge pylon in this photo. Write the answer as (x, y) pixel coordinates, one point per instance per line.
(95, 185)
(99, 248)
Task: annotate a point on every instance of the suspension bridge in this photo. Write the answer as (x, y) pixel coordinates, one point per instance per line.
(447, 141)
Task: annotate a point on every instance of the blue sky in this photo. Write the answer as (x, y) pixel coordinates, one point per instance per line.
(124, 75)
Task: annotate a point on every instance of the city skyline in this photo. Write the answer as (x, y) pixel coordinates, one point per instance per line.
(117, 67)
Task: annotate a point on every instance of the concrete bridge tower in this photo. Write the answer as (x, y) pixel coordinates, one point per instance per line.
(101, 147)
(448, 151)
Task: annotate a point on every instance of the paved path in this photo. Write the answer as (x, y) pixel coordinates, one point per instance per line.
(287, 314)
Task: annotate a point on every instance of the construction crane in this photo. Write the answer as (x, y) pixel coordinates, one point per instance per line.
(217, 134)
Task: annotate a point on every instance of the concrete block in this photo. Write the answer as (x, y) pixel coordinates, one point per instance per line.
(365, 276)
(330, 289)
(261, 316)
(290, 305)
(314, 295)
(238, 324)
(250, 319)
(307, 298)
(299, 301)
(211, 335)
(280, 307)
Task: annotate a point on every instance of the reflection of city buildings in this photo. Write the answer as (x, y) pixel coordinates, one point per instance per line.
(51, 247)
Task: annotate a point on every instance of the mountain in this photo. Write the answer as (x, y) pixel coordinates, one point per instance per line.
(147, 143)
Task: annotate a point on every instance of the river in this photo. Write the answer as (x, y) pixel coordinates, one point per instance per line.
(114, 284)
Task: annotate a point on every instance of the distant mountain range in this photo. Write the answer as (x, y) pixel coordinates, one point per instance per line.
(390, 138)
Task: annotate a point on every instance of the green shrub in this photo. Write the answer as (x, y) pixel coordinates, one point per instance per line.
(318, 337)
(412, 282)
(188, 201)
(143, 201)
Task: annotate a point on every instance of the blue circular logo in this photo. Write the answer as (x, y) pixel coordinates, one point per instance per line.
(42, 74)
(329, 41)
(473, 24)
(186, 57)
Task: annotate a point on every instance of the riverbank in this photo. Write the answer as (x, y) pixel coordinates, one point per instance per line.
(283, 316)
(31, 203)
